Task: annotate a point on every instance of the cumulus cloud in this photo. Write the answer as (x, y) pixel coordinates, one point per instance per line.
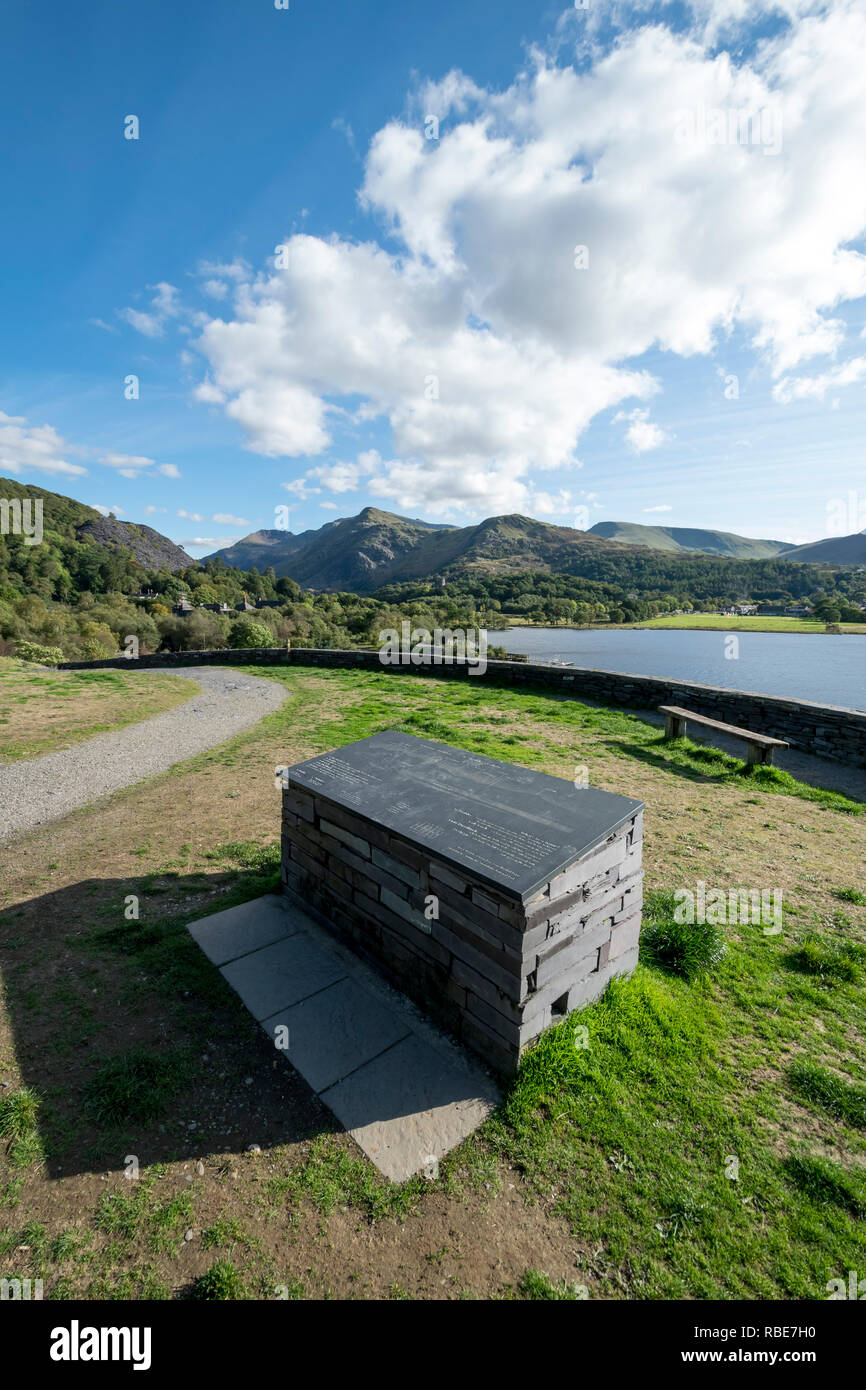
(25, 447)
(486, 341)
(662, 508)
(190, 516)
(226, 519)
(641, 433)
(106, 511)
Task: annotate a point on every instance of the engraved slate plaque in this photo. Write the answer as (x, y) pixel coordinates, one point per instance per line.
(511, 827)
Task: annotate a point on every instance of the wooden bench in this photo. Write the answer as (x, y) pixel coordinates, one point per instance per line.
(760, 745)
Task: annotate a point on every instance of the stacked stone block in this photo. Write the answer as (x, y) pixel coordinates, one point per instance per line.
(493, 968)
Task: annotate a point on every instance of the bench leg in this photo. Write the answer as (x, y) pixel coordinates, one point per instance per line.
(758, 756)
(674, 727)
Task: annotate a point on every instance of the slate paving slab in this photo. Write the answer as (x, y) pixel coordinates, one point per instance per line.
(405, 1092)
(238, 930)
(281, 974)
(336, 1031)
(407, 1108)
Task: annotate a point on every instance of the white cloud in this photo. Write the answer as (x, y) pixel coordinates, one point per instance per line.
(226, 519)
(190, 516)
(477, 341)
(128, 465)
(642, 433)
(301, 489)
(816, 387)
(663, 508)
(548, 504)
(134, 465)
(208, 393)
(343, 126)
(24, 447)
(152, 511)
(329, 506)
(164, 306)
(104, 511)
(217, 542)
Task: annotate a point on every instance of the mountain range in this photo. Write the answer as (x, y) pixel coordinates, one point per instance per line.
(365, 552)
(375, 548)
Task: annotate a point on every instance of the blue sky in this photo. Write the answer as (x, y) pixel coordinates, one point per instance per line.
(427, 341)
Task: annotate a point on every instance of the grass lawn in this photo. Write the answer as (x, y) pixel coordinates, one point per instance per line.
(747, 624)
(42, 710)
(708, 1142)
(712, 621)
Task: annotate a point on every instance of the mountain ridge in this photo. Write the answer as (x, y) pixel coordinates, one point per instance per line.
(686, 538)
(375, 549)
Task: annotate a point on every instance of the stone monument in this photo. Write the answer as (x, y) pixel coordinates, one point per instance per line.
(497, 898)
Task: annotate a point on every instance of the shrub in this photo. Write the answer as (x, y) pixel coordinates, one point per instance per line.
(95, 650)
(246, 633)
(33, 651)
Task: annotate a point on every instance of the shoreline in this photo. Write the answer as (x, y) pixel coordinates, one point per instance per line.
(845, 631)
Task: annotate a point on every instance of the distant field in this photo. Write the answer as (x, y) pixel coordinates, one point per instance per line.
(737, 624)
(42, 711)
(711, 621)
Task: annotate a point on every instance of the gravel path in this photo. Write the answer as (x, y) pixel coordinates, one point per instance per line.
(43, 789)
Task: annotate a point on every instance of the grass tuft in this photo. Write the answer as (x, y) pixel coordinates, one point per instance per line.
(135, 1085)
(830, 960)
(681, 948)
(534, 1286)
(824, 1091)
(221, 1282)
(827, 1184)
(19, 1114)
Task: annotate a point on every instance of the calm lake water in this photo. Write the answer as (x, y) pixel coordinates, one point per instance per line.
(804, 666)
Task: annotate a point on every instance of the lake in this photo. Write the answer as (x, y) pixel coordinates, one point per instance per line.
(801, 666)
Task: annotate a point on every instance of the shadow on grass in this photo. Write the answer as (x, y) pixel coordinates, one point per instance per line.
(709, 770)
(129, 1042)
(699, 762)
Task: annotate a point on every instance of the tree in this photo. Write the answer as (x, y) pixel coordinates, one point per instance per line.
(828, 610)
(246, 633)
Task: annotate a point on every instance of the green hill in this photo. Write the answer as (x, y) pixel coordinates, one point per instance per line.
(675, 538)
(836, 550)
